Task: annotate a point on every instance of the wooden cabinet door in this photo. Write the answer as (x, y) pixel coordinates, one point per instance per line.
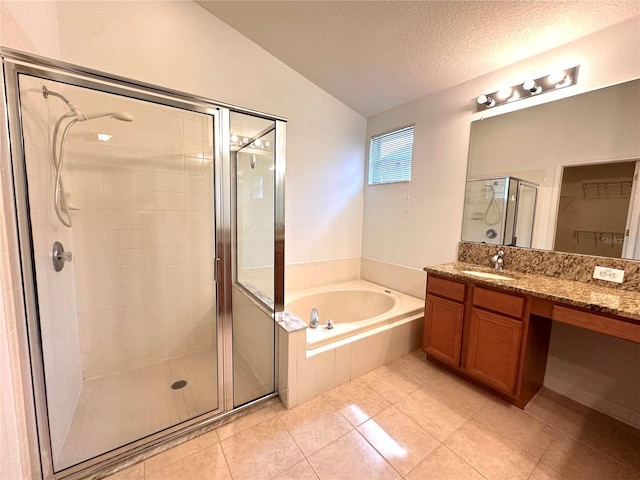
(494, 349)
(443, 329)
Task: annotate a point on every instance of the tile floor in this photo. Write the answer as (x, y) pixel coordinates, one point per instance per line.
(117, 409)
(409, 420)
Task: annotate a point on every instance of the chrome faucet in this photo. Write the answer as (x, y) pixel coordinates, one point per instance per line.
(313, 321)
(497, 260)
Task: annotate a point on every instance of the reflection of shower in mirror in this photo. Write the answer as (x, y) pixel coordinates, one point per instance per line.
(492, 208)
(504, 204)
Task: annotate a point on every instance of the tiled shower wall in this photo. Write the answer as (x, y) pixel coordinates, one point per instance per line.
(142, 237)
(55, 290)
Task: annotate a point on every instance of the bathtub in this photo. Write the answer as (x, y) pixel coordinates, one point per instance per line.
(356, 308)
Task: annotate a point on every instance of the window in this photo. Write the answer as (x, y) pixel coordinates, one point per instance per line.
(390, 157)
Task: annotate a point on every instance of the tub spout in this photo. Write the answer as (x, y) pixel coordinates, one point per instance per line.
(329, 325)
(313, 321)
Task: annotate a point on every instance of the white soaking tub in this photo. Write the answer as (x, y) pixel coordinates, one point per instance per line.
(355, 307)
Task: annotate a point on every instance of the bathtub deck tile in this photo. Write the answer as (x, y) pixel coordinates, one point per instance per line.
(307, 368)
(326, 362)
(342, 375)
(343, 355)
(359, 367)
(325, 382)
(301, 340)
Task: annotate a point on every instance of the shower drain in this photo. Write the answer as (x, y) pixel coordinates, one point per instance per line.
(178, 384)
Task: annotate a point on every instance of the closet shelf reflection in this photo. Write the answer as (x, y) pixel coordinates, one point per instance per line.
(621, 189)
(604, 238)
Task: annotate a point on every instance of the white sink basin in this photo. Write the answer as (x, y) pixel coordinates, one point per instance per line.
(492, 276)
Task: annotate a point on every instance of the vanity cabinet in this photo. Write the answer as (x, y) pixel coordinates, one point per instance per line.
(495, 334)
(485, 335)
(444, 317)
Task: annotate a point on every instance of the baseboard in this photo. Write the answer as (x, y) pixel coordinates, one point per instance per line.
(599, 404)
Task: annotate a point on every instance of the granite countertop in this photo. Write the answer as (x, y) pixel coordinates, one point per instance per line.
(623, 303)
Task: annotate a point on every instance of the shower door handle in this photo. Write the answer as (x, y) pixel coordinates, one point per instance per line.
(59, 256)
(216, 266)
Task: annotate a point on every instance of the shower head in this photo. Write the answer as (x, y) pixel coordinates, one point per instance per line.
(122, 116)
(81, 117)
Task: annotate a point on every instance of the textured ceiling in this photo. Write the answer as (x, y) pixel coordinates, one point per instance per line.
(374, 56)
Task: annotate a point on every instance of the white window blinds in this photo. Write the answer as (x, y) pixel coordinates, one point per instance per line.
(390, 157)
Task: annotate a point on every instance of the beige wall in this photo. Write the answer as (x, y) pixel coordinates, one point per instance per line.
(429, 230)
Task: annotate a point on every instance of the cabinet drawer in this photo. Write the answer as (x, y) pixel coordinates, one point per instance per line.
(446, 288)
(506, 303)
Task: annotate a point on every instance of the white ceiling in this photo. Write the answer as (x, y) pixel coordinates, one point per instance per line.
(374, 56)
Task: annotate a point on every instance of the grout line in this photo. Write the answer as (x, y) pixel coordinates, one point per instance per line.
(461, 458)
(224, 455)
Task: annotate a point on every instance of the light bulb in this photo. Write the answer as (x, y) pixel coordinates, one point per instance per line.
(532, 87)
(503, 93)
(234, 138)
(556, 77)
(486, 101)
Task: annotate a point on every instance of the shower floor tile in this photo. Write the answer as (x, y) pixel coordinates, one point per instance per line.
(117, 409)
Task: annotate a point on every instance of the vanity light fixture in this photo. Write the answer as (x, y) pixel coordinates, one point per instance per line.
(529, 88)
(256, 143)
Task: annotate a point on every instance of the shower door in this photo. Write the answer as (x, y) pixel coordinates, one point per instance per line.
(128, 316)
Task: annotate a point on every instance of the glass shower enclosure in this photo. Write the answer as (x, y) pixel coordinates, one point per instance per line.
(499, 211)
(147, 317)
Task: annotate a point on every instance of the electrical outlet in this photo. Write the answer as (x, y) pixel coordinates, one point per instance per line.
(608, 274)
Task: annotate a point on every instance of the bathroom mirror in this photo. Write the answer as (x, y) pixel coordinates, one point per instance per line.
(544, 143)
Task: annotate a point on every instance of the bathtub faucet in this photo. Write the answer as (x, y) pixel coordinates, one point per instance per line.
(313, 322)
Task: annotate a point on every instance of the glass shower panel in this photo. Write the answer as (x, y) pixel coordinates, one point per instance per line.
(510, 211)
(129, 324)
(253, 165)
(527, 195)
